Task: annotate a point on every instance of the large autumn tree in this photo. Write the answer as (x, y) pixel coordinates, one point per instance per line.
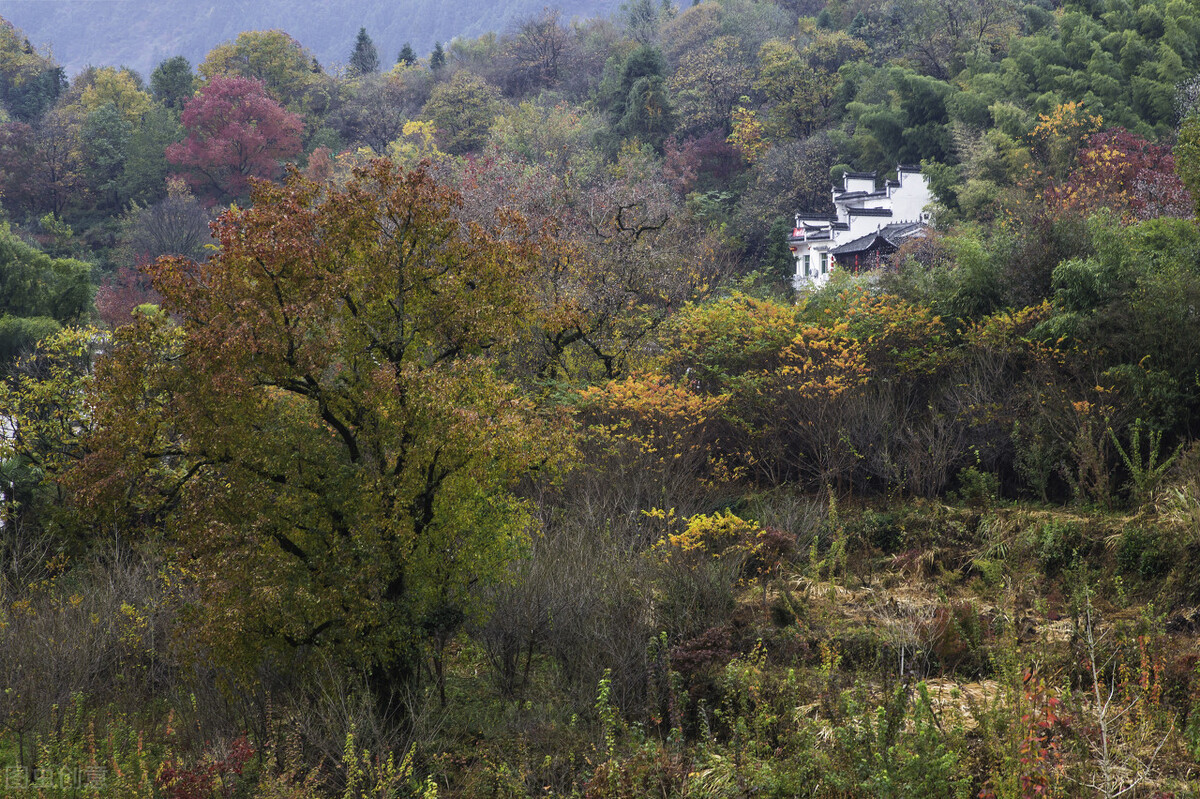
(235, 132)
(328, 433)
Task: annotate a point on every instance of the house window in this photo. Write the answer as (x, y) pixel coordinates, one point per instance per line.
(807, 264)
(824, 263)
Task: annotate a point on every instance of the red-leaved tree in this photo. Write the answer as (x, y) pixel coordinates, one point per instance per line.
(235, 131)
(1124, 172)
(121, 293)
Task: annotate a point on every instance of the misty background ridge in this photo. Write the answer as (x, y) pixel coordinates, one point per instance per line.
(140, 34)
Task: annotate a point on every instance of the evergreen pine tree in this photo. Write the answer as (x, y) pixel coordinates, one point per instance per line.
(365, 59)
(407, 56)
(438, 59)
(858, 25)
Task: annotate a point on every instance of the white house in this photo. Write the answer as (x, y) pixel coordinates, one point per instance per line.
(868, 224)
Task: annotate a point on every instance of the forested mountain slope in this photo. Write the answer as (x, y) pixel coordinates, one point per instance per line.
(141, 33)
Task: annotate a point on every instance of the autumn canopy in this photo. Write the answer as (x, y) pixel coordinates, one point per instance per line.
(326, 428)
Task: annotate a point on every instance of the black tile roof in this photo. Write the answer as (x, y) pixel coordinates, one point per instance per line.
(901, 230)
(857, 245)
(890, 235)
(858, 195)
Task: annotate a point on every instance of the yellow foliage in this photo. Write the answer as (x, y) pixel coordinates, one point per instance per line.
(1057, 137)
(1068, 120)
(417, 143)
(659, 417)
(821, 363)
(720, 535)
(747, 136)
(895, 334)
(657, 427)
(116, 86)
(272, 56)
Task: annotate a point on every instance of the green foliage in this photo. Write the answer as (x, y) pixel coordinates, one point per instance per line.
(1143, 553)
(1056, 544)
(1192, 730)
(173, 83)
(558, 137)
(43, 405)
(765, 747)
(379, 777)
(944, 182)
(1145, 471)
(778, 262)
(1187, 155)
(30, 82)
(797, 93)
(606, 713)
(647, 113)
(364, 59)
(978, 487)
(19, 334)
(463, 111)
(144, 177)
(107, 135)
(900, 749)
(32, 284)
(634, 95)
(901, 117)
(883, 531)
(1081, 285)
(273, 57)
(1130, 297)
(116, 763)
(967, 284)
(1035, 455)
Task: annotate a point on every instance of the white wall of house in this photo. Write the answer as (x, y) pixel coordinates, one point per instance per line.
(813, 237)
(911, 197)
(857, 181)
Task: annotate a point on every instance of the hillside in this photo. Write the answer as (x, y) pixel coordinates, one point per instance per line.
(477, 426)
(140, 33)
